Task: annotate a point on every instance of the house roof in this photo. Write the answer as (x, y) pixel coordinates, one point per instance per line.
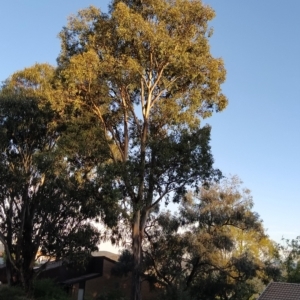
(281, 291)
(106, 254)
(81, 278)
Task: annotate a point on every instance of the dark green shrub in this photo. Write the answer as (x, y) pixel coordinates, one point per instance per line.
(12, 293)
(113, 295)
(47, 289)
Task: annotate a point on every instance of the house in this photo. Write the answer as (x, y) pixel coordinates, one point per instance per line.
(281, 291)
(91, 281)
(93, 287)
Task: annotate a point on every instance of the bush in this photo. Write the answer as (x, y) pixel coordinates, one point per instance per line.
(114, 295)
(12, 293)
(47, 289)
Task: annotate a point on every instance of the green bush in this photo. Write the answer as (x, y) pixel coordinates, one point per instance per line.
(12, 293)
(113, 295)
(47, 289)
(44, 289)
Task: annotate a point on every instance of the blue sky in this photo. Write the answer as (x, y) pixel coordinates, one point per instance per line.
(256, 137)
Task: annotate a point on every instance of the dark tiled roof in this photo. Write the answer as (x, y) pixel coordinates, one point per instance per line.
(281, 291)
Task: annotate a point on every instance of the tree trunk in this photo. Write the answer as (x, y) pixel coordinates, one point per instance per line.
(136, 249)
(8, 271)
(26, 276)
(28, 252)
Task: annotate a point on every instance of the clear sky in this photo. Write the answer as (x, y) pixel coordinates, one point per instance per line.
(256, 136)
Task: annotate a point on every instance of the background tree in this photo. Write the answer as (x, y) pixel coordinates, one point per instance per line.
(290, 260)
(146, 72)
(47, 194)
(215, 248)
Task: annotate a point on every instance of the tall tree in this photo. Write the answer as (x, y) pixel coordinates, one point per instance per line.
(146, 72)
(46, 194)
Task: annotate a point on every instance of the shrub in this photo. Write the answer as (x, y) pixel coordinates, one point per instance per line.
(47, 289)
(113, 295)
(12, 293)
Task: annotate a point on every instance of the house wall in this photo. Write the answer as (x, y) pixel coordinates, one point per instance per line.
(108, 282)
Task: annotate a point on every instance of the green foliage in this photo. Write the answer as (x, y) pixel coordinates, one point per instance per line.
(290, 260)
(50, 185)
(175, 293)
(47, 289)
(124, 265)
(44, 289)
(113, 295)
(12, 293)
(215, 248)
(148, 88)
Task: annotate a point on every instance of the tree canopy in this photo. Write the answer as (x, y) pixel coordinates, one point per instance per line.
(46, 196)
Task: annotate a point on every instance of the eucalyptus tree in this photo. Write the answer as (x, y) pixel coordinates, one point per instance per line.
(146, 73)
